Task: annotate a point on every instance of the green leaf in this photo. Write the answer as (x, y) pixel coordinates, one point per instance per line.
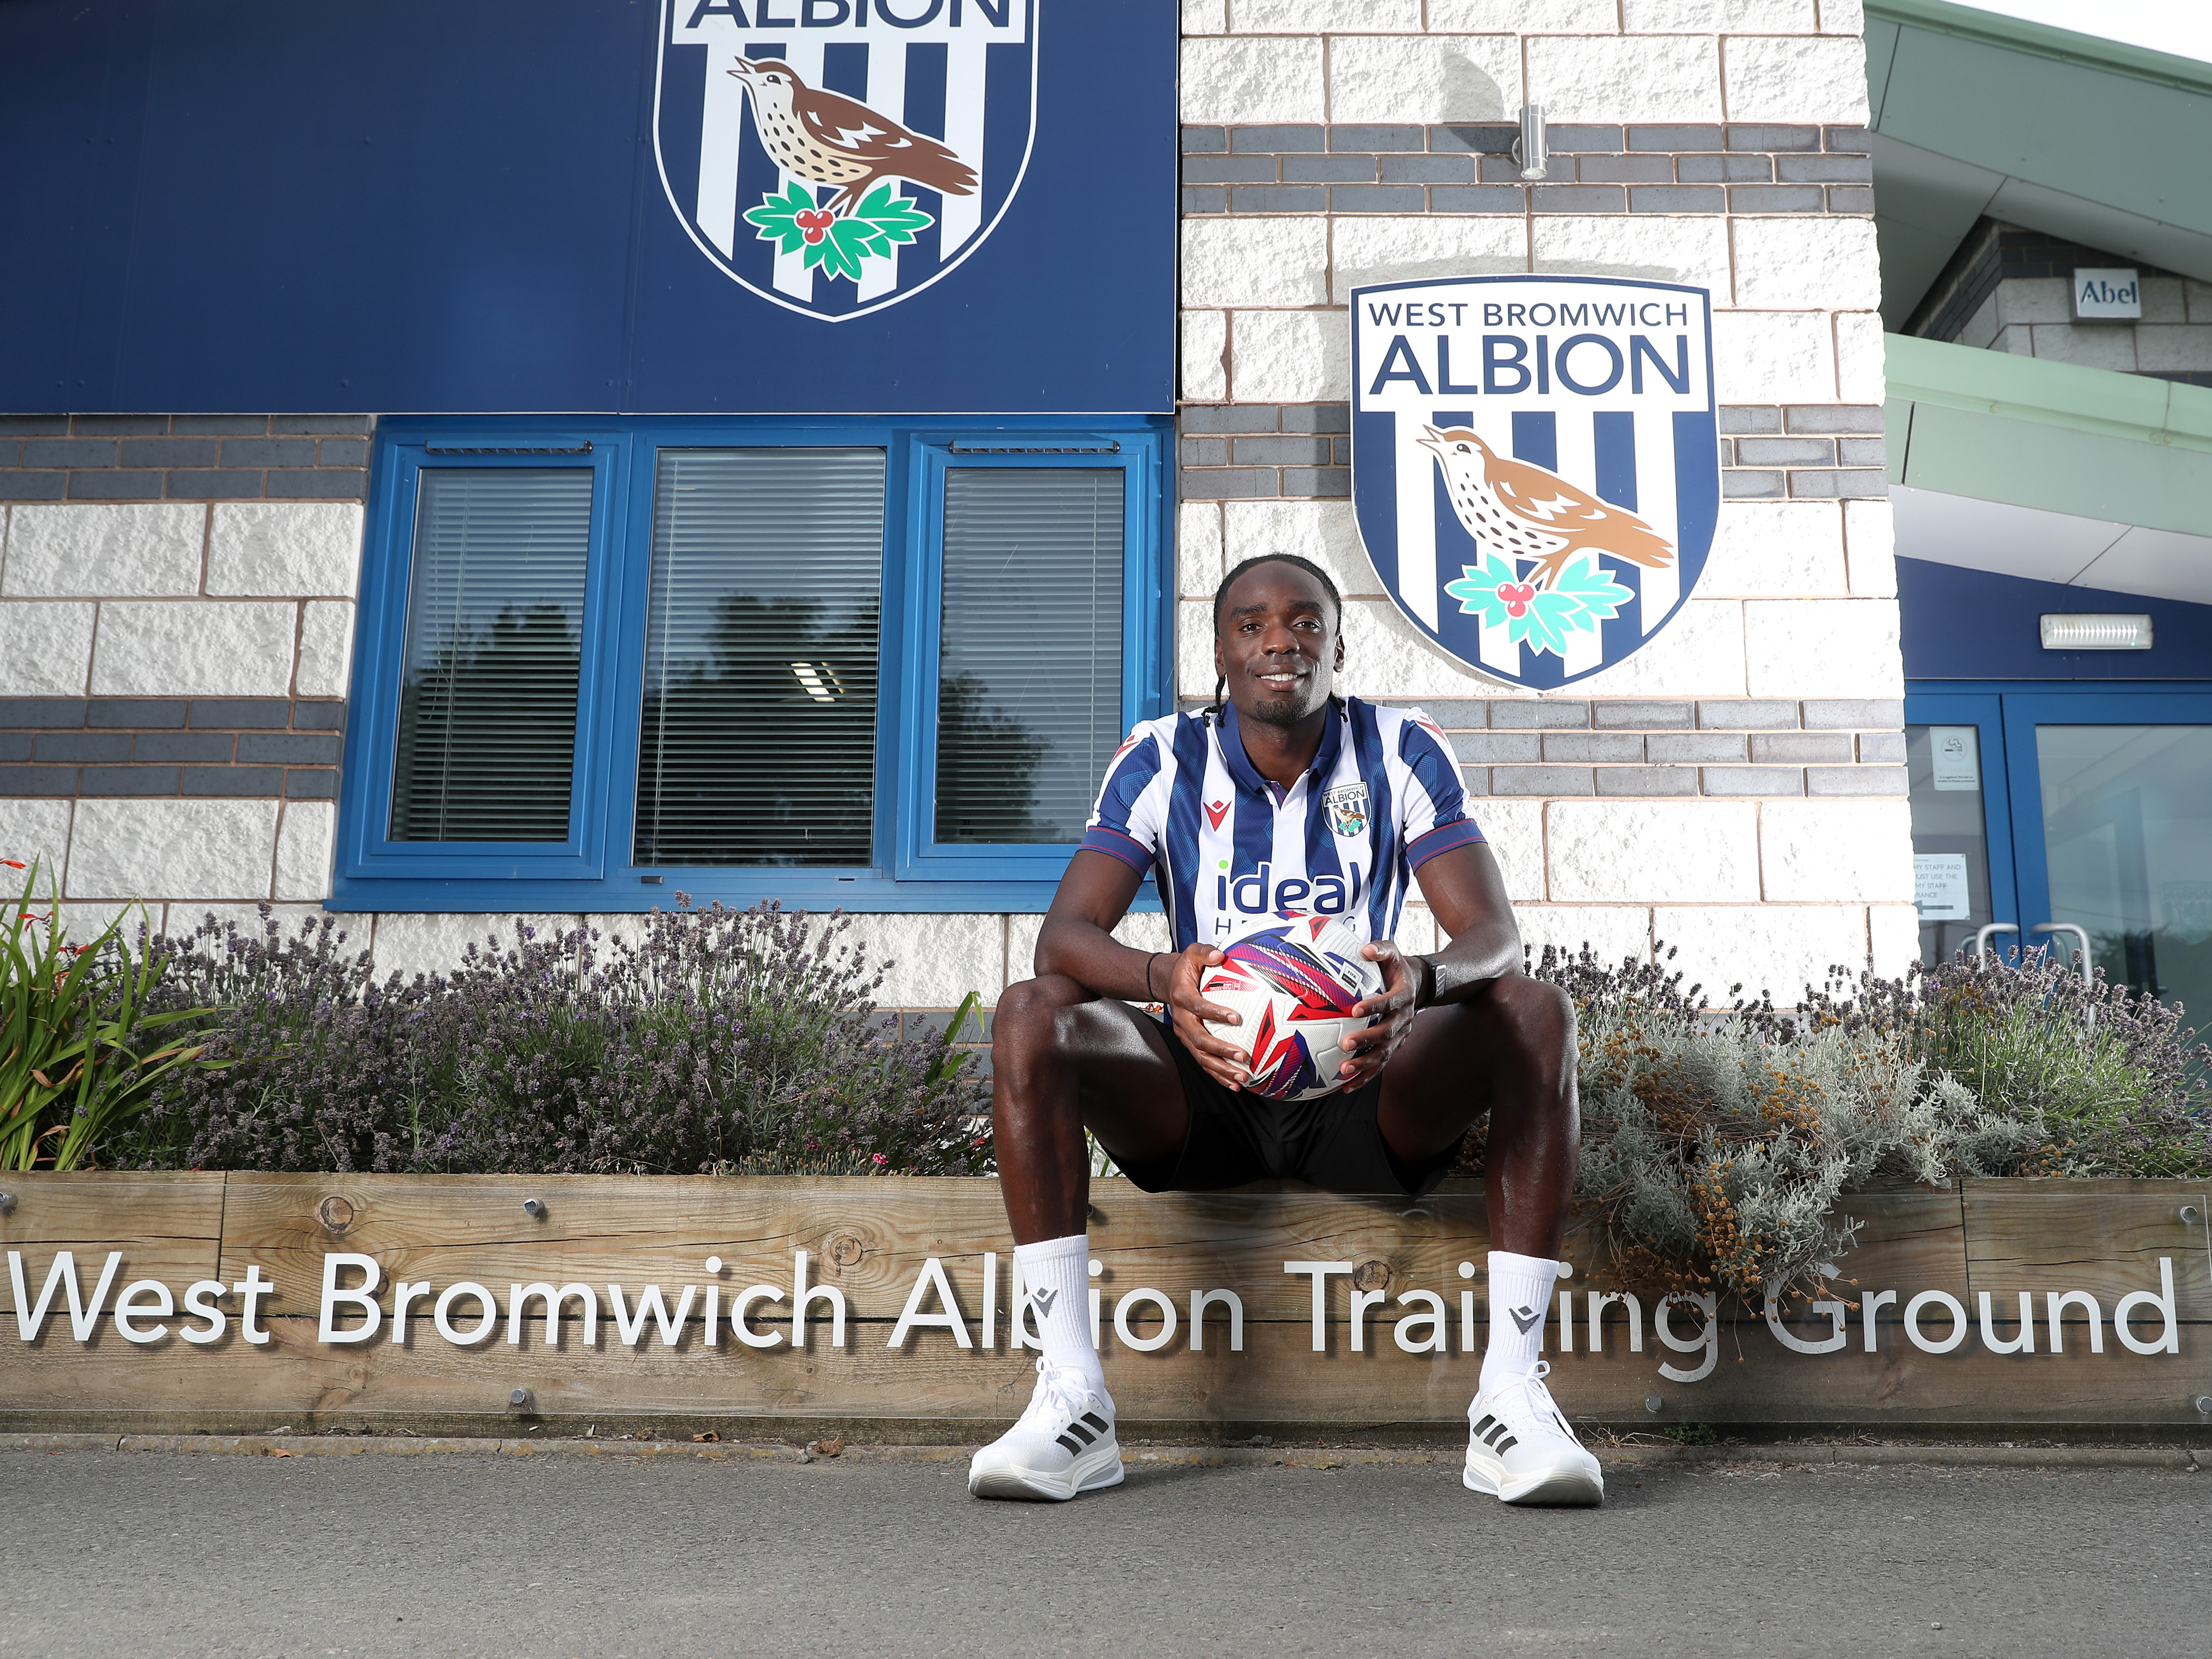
(1600, 596)
(777, 218)
(1476, 589)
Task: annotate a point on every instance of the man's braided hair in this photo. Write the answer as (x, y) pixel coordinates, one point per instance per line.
(1221, 597)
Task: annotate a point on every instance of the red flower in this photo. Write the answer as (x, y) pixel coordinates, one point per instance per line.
(15, 864)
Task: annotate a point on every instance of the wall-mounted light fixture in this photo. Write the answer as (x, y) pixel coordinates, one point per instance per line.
(2084, 631)
(1529, 149)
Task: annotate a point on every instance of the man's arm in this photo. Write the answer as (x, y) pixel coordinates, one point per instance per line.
(1468, 896)
(1078, 940)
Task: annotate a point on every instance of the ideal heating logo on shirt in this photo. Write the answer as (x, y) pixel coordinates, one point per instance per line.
(1259, 895)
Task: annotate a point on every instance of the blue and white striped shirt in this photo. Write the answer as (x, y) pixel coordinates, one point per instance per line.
(1182, 799)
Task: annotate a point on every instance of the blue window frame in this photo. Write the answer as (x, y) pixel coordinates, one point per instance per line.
(2007, 716)
(1118, 467)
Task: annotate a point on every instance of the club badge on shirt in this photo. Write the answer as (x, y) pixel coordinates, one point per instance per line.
(1347, 809)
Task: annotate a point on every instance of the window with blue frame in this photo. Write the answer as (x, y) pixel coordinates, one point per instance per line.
(877, 663)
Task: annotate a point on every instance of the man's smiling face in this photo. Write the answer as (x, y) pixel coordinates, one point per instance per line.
(1277, 644)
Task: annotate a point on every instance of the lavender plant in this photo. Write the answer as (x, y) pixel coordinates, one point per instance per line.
(1717, 1145)
(708, 1040)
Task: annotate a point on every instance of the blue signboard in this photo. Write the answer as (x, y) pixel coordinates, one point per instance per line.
(671, 206)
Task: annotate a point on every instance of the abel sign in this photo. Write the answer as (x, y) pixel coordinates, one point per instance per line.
(1535, 463)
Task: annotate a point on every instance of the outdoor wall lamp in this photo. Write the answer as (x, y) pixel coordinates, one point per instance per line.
(2086, 631)
(1529, 149)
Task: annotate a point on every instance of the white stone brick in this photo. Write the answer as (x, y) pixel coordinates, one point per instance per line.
(1777, 948)
(1198, 549)
(1653, 851)
(1435, 77)
(1716, 16)
(433, 942)
(45, 648)
(1822, 648)
(2164, 300)
(1403, 250)
(194, 647)
(1698, 654)
(325, 648)
(2186, 346)
(1268, 79)
(83, 923)
(172, 849)
(1896, 932)
(33, 832)
(1515, 830)
(1292, 357)
(1141, 930)
(1861, 375)
(1612, 932)
(304, 840)
(1808, 78)
(1321, 531)
(1870, 546)
(1204, 17)
(935, 960)
(1513, 16)
(1807, 259)
(1688, 249)
(2034, 300)
(1773, 357)
(1851, 851)
(1327, 17)
(1843, 17)
(137, 550)
(284, 549)
(1776, 549)
(1652, 77)
(1205, 348)
(1386, 661)
(1255, 262)
(2091, 346)
(1194, 648)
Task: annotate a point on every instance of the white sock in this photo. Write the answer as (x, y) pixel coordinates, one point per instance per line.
(1520, 1299)
(1056, 1282)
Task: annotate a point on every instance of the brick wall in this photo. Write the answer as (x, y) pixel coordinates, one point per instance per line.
(1735, 789)
(1737, 786)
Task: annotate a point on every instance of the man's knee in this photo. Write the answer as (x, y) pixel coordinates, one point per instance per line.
(1536, 1017)
(1026, 1020)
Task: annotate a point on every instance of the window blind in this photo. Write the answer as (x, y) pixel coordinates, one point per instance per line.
(1029, 679)
(486, 737)
(758, 742)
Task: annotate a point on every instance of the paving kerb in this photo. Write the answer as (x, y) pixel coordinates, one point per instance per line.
(1317, 1457)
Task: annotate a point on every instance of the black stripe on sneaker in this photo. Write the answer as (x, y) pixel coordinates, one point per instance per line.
(1491, 1439)
(1068, 1441)
(1487, 1419)
(1505, 1445)
(1096, 1421)
(1084, 1434)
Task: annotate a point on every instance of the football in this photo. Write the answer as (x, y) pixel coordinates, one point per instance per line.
(1294, 980)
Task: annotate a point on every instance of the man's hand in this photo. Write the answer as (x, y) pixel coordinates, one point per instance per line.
(1223, 1061)
(1392, 1012)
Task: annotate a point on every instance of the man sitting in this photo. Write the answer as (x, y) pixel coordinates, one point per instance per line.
(1340, 804)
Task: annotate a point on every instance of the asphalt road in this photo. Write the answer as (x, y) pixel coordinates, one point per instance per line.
(135, 1554)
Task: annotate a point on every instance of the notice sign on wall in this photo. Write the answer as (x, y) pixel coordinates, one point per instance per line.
(1939, 886)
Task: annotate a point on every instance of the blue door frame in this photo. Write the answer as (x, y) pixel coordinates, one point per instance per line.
(2006, 714)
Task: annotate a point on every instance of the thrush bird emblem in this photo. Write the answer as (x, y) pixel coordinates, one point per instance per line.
(826, 138)
(1528, 511)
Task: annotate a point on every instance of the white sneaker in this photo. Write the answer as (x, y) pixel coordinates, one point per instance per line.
(1064, 1444)
(1520, 1447)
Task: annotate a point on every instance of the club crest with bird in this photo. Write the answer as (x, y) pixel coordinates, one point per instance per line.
(835, 167)
(1535, 463)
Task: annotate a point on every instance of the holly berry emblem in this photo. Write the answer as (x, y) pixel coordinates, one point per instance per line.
(1516, 596)
(815, 223)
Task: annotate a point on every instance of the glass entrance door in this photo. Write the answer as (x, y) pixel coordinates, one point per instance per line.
(2127, 837)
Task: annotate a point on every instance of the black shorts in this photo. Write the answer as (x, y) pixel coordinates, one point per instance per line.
(1236, 1136)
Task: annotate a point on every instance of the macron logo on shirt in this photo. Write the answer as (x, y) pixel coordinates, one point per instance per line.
(1215, 811)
